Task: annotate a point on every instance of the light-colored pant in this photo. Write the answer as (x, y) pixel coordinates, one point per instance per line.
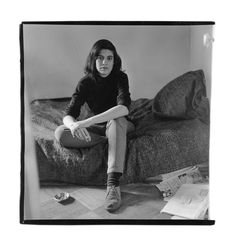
(114, 131)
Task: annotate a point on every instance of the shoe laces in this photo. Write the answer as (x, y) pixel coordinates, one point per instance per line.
(112, 193)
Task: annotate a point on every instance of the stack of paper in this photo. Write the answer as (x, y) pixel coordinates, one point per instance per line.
(172, 181)
(191, 201)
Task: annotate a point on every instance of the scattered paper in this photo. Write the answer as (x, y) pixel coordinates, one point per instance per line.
(190, 201)
(171, 184)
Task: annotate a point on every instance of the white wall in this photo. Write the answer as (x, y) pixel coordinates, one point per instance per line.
(201, 55)
(55, 56)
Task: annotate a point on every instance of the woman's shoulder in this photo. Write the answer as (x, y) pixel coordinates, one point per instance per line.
(122, 75)
(85, 80)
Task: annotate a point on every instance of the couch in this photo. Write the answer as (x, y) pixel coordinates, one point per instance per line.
(172, 132)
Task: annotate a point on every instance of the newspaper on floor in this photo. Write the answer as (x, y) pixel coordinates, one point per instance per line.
(173, 181)
(191, 201)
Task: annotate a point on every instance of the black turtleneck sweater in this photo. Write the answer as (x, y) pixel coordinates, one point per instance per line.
(100, 93)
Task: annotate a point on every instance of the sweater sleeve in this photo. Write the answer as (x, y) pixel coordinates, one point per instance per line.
(78, 99)
(123, 97)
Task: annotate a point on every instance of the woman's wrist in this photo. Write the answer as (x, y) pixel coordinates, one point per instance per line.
(90, 121)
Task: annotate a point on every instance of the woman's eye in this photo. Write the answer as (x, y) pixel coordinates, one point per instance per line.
(100, 58)
(110, 58)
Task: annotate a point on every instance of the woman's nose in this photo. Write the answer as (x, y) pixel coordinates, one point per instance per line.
(104, 61)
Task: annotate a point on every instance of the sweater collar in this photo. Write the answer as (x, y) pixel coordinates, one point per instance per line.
(101, 79)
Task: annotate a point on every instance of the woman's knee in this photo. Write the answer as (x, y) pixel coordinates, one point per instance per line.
(59, 132)
(121, 121)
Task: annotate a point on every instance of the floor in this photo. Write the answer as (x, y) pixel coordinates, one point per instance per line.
(139, 201)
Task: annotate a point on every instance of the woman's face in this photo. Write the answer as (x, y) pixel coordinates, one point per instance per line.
(104, 62)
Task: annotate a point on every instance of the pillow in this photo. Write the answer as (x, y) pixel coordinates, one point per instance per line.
(183, 98)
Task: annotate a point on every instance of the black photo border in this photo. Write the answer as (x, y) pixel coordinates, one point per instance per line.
(22, 126)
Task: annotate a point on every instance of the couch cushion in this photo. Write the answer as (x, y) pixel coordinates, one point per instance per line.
(183, 98)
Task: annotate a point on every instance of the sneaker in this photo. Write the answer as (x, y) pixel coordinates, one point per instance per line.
(113, 198)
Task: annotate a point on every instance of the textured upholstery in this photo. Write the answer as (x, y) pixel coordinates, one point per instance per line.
(183, 98)
(159, 144)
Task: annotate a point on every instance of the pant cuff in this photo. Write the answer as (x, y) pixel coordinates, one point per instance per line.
(114, 169)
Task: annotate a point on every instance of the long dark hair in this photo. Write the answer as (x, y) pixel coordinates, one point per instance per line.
(90, 67)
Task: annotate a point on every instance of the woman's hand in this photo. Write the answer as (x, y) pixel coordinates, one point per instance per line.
(82, 134)
(83, 123)
(79, 130)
